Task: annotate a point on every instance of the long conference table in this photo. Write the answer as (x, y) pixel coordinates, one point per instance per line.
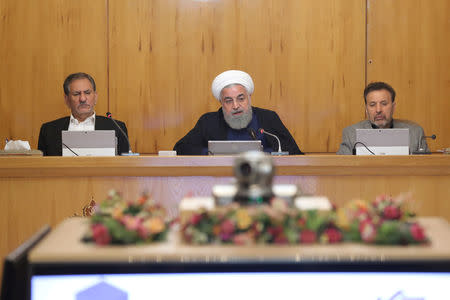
(46, 190)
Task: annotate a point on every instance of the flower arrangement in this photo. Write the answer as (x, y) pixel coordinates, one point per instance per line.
(381, 222)
(264, 224)
(116, 221)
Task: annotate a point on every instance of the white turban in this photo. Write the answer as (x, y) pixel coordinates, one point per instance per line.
(231, 77)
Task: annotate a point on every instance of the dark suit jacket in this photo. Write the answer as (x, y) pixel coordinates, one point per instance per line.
(212, 126)
(50, 142)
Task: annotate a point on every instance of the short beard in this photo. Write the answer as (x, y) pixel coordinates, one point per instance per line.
(239, 122)
(385, 124)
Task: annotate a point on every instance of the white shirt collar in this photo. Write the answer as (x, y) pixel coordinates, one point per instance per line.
(88, 124)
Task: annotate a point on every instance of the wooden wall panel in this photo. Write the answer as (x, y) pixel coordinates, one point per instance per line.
(41, 42)
(306, 58)
(155, 61)
(408, 46)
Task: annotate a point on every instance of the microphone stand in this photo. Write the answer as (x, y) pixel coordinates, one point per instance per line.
(129, 153)
(422, 150)
(279, 153)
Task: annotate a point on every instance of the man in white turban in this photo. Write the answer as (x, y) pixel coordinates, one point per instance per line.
(236, 119)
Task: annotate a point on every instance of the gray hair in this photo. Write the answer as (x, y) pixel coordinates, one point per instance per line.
(75, 76)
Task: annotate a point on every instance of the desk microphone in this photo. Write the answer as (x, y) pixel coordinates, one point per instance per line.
(252, 133)
(278, 140)
(130, 153)
(422, 150)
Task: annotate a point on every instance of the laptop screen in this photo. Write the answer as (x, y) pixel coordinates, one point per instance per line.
(233, 147)
(393, 141)
(89, 143)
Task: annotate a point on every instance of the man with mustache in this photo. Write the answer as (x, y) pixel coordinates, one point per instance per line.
(236, 119)
(80, 95)
(380, 104)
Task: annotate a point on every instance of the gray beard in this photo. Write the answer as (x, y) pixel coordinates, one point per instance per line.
(239, 122)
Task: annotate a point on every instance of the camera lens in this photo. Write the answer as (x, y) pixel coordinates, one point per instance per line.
(245, 169)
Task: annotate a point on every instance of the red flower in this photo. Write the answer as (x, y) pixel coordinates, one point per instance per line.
(100, 234)
(301, 222)
(275, 230)
(368, 231)
(333, 207)
(281, 239)
(417, 232)
(391, 212)
(333, 235)
(196, 218)
(308, 236)
(277, 234)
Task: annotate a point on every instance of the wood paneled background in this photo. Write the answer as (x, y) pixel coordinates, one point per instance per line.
(154, 60)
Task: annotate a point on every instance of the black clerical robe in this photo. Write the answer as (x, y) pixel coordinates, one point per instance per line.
(212, 126)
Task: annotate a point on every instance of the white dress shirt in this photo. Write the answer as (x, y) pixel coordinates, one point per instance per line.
(86, 125)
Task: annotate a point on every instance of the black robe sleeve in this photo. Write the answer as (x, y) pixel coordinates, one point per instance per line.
(271, 122)
(194, 141)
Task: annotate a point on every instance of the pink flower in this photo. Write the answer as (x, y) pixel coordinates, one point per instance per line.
(131, 223)
(308, 236)
(391, 212)
(368, 231)
(143, 232)
(362, 215)
(380, 199)
(242, 239)
(227, 226)
(100, 234)
(226, 230)
(332, 235)
(417, 232)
